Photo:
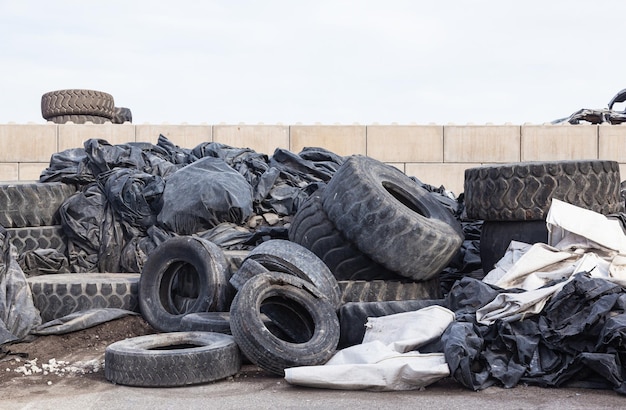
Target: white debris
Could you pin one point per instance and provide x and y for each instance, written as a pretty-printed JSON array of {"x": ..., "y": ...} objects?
[{"x": 58, "y": 367}]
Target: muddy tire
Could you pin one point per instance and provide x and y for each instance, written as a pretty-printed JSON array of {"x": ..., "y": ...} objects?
[
  {"x": 312, "y": 229},
  {"x": 301, "y": 299},
  {"x": 79, "y": 119},
  {"x": 32, "y": 203},
  {"x": 171, "y": 359},
  {"x": 183, "y": 275},
  {"x": 391, "y": 218},
  {"x": 38, "y": 237},
  {"x": 122, "y": 115},
  {"x": 388, "y": 290},
  {"x": 523, "y": 191},
  {"x": 77, "y": 102},
  {"x": 59, "y": 295},
  {"x": 279, "y": 255}
]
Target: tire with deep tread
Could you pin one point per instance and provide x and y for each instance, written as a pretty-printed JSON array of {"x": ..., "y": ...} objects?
[
  {"x": 32, "y": 203},
  {"x": 353, "y": 316},
  {"x": 391, "y": 218},
  {"x": 79, "y": 119},
  {"x": 266, "y": 349},
  {"x": 77, "y": 102},
  {"x": 38, "y": 237},
  {"x": 122, "y": 115},
  {"x": 58, "y": 295},
  {"x": 523, "y": 191},
  {"x": 184, "y": 274},
  {"x": 388, "y": 290},
  {"x": 171, "y": 359},
  {"x": 280, "y": 255},
  {"x": 312, "y": 229}
]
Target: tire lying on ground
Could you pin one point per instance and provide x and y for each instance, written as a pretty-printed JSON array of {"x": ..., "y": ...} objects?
[
  {"x": 77, "y": 102},
  {"x": 279, "y": 255},
  {"x": 171, "y": 359},
  {"x": 391, "y": 218},
  {"x": 32, "y": 203},
  {"x": 183, "y": 275},
  {"x": 312, "y": 229},
  {"x": 523, "y": 191},
  {"x": 300, "y": 299},
  {"x": 59, "y": 295}
]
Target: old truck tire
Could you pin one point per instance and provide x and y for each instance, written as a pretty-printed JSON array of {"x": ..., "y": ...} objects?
[
  {"x": 312, "y": 229},
  {"x": 182, "y": 275},
  {"x": 391, "y": 218},
  {"x": 77, "y": 102},
  {"x": 38, "y": 237},
  {"x": 523, "y": 191},
  {"x": 122, "y": 115},
  {"x": 78, "y": 119},
  {"x": 32, "y": 203},
  {"x": 59, "y": 295},
  {"x": 171, "y": 359},
  {"x": 388, "y": 290},
  {"x": 279, "y": 255},
  {"x": 268, "y": 350}
]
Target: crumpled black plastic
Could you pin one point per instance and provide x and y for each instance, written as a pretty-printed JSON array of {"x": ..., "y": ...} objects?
[{"x": 37, "y": 262}]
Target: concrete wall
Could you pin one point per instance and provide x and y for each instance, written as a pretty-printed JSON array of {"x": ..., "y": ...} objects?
[{"x": 436, "y": 154}]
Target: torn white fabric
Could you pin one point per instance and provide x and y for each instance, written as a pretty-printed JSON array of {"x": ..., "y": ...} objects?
[{"x": 383, "y": 361}]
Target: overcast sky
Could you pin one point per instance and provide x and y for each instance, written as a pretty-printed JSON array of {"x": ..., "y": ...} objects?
[{"x": 438, "y": 61}]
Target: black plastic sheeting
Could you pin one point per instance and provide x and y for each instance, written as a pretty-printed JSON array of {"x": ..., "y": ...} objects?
[{"x": 578, "y": 339}]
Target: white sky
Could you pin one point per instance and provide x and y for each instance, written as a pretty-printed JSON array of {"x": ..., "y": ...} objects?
[{"x": 438, "y": 61}]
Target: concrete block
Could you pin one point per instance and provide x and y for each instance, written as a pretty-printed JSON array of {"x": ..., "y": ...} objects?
[
  {"x": 481, "y": 143},
  {"x": 559, "y": 142},
  {"x": 30, "y": 142},
  {"x": 31, "y": 171},
  {"x": 74, "y": 135},
  {"x": 451, "y": 176},
  {"x": 185, "y": 136},
  {"x": 9, "y": 171},
  {"x": 612, "y": 142},
  {"x": 340, "y": 139},
  {"x": 405, "y": 143},
  {"x": 263, "y": 139}
]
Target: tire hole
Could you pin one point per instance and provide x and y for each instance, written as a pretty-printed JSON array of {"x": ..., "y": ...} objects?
[
  {"x": 181, "y": 288},
  {"x": 405, "y": 199},
  {"x": 176, "y": 347},
  {"x": 290, "y": 321}
]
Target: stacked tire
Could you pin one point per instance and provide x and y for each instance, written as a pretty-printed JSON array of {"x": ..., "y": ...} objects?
[
  {"x": 81, "y": 106},
  {"x": 378, "y": 231},
  {"x": 513, "y": 199}
]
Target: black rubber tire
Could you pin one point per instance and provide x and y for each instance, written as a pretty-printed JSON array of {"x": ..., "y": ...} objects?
[
  {"x": 77, "y": 102},
  {"x": 218, "y": 322},
  {"x": 79, "y": 119},
  {"x": 353, "y": 316},
  {"x": 280, "y": 255},
  {"x": 495, "y": 237},
  {"x": 122, "y": 115},
  {"x": 388, "y": 290},
  {"x": 32, "y": 203},
  {"x": 60, "y": 294},
  {"x": 391, "y": 218},
  {"x": 38, "y": 237},
  {"x": 523, "y": 191},
  {"x": 171, "y": 359},
  {"x": 264, "y": 348},
  {"x": 312, "y": 229},
  {"x": 184, "y": 274}
]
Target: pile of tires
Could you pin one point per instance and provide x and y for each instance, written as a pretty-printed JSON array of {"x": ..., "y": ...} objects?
[
  {"x": 81, "y": 106},
  {"x": 514, "y": 199}
]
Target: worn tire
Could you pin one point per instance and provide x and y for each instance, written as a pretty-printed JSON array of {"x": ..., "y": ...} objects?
[
  {"x": 267, "y": 350},
  {"x": 279, "y": 255},
  {"x": 182, "y": 275},
  {"x": 353, "y": 316},
  {"x": 78, "y": 119},
  {"x": 495, "y": 237},
  {"x": 388, "y": 290},
  {"x": 218, "y": 322},
  {"x": 77, "y": 102},
  {"x": 38, "y": 237},
  {"x": 523, "y": 191},
  {"x": 122, "y": 115},
  {"x": 32, "y": 203},
  {"x": 312, "y": 229},
  {"x": 391, "y": 218},
  {"x": 59, "y": 295},
  {"x": 171, "y": 359}
]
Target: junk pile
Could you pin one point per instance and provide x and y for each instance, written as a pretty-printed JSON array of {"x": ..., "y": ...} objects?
[
  {"x": 598, "y": 116},
  {"x": 334, "y": 272}
]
